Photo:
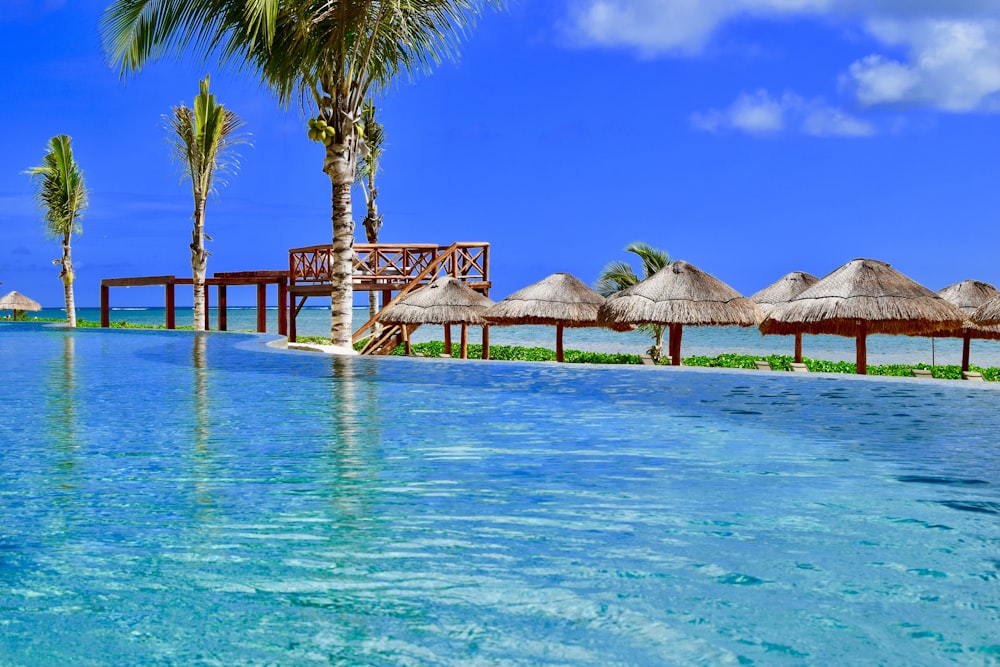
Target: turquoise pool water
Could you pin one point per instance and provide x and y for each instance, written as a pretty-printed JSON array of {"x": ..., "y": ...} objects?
[{"x": 169, "y": 498}]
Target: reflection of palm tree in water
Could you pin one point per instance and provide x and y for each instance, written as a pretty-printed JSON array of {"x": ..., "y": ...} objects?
[
  {"x": 357, "y": 431},
  {"x": 62, "y": 434},
  {"x": 202, "y": 460}
]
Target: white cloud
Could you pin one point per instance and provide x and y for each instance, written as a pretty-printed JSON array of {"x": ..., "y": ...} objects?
[
  {"x": 761, "y": 114},
  {"x": 655, "y": 27},
  {"x": 952, "y": 66},
  {"x": 951, "y": 48}
]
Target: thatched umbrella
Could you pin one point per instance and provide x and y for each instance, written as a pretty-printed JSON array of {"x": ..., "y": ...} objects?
[
  {"x": 969, "y": 295},
  {"x": 863, "y": 297},
  {"x": 987, "y": 314},
  {"x": 784, "y": 290},
  {"x": 676, "y": 295},
  {"x": 444, "y": 301},
  {"x": 561, "y": 300},
  {"x": 17, "y": 302}
]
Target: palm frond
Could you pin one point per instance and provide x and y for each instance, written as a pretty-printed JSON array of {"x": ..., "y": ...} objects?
[
  {"x": 60, "y": 189},
  {"x": 615, "y": 277},
  {"x": 653, "y": 259}
]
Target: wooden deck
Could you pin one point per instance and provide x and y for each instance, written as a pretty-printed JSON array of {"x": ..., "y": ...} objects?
[{"x": 393, "y": 269}]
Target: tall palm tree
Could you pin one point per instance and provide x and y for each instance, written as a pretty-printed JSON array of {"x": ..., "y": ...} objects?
[
  {"x": 619, "y": 275},
  {"x": 330, "y": 54},
  {"x": 372, "y": 147},
  {"x": 203, "y": 140},
  {"x": 62, "y": 195}
]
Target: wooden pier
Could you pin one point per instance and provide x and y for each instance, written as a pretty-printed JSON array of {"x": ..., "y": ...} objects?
[{"x": 390, "y": 268}]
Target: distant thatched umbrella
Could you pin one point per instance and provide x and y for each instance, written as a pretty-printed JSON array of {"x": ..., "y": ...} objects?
[
  {"x": 783, "y": 291},
  {"x": 560, "y": 300},
  {"x": 676, "y": 295},
  {"x": 987, "y": 314},
  {"x": 16, "y": 302},
  {"x": 863, "y": 297},
  {"x": 444, "y": 301},
  {"x": 969, "y": 295}
]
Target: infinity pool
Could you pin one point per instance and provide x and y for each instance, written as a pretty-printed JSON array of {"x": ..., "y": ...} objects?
[{"x": 169, "y": 498}]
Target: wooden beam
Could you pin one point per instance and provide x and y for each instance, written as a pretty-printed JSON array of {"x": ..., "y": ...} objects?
[{"x": 105, "y": 306}]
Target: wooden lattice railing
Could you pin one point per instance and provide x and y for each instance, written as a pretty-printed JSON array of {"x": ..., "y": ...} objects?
[{"x": 383, "y": 265}]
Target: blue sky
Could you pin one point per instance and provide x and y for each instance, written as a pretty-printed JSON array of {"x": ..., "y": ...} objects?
[{"x": 748, "y": 137}]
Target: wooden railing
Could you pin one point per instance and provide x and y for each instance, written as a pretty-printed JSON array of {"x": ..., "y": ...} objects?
[{"x": 386, "y": 265}]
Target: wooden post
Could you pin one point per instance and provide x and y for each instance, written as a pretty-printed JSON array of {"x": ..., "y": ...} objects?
[
  {"x": 676, "y": 331},
  {"x": 105, "y": 306},
  {"x": 293, "y": 311},
  {"x": 208, "y": 309},
  {"x": 465, "y": 341},
  {"x": 486, "y": 341},
  {"x": 169, "y": 304},
  {"x": 861, "y": 347},
  {"x": 406, "y": 340},
  {"x": 966, "y": 344},
  {"x": 559, "y": 342},
  {"x": 223, "y": 318},
  {"x": 447, "y": 339},
  {"x": 261, "y": 308},
  {"x": 798, "y": 347},
  {"x": 282, "y": 306}
]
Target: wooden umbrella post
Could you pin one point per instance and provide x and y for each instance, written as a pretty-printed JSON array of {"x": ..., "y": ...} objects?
[
  {"x": 486, "y": 341},
  {"x": 559, "y": 342},
  {"x": 966, "y": 344},
  {"x": 676, "y": 331},
  {"x": 465, "y": 341},
  {"x": 861, "y": 347},
  {"x": 798, "y": 347},
  {"x": 447, "y": 339}
]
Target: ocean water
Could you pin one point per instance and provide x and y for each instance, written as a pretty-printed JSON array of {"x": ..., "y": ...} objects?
[
  {"x": 708, "y": 341},
  {"x": 172, "y": 498}
]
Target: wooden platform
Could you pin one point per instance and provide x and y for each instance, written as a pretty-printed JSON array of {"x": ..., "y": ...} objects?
[{"x": 390, "y": 268}]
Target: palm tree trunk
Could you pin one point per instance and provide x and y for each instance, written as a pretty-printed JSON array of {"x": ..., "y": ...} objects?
[
  {"x": 199, "y": 265},
  {"x": 66, "y": 274},
  {"x": 372, "y": 225},
  {"x": 339, "y": 166}
]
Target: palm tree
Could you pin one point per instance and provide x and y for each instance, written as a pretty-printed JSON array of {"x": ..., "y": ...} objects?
[
  {"x": 330, "y": 54},
  {"x": 62, "y": 196},
  {"x": 203, "y": 139},
  {"x": 618, "y": 275},
  {"x": 372, "y": 147}
]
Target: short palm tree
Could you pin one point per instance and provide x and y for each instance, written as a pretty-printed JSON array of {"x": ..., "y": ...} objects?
[
  {"x": 619, "y": 275},
  {"x": 62, "y": 196},
  {"x": 329, "y": 54},
  {"x": 203, "y": 140},
  {"x": 372, "y": 147}
]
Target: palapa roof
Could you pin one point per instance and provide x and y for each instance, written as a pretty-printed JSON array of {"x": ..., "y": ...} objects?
[
  {"x": 444, "y": 301},
  {"x": 969, "y": 295},
  {"x": 17, "y": 301},
  {"x": 558, "y": 299},
  {"x": 864, "y": 290},
  {"x": 784, "y": 289},
  {"x": 680, "y": 293},
  {"x": 987, "y": 314}
]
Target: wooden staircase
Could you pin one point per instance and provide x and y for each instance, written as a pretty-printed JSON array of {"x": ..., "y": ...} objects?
[{"x": 389, "y": 337}]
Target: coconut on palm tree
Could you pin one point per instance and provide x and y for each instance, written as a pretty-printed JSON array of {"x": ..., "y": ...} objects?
[
  {"x": 62, "y": 195},
  {"x": 372, "y": 147},
  {"x": 203, "y": 139},
  {"x": 329, "y": 55},
  {"x": 619, "y": 275}
]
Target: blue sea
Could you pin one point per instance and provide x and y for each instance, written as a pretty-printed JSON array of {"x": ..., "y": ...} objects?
[{"x": 708, "y": 341}]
